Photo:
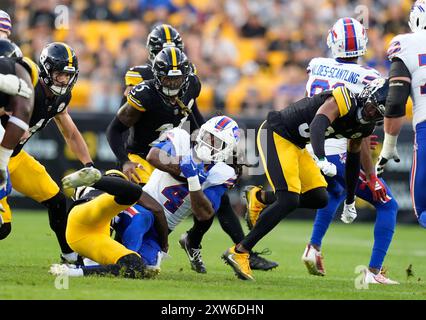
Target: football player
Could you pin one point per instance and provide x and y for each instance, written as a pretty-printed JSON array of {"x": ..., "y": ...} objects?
[
  {"x": 348, "y": 41},
  {"x": 88, "y": 229},
  {"x": 295, "y": 176},
  {"x": 188, "y": 180},
  {"x": 407, "y": 53},
  {"x": 165, "y": 36},
  {"x": 58, "y": 67}
]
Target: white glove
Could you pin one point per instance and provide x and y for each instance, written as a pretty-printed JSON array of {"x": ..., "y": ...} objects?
[
  {"x": 327, "y": 168},
  {"x": 388, "y": 152},
  {"x": 12, "y": 85},
  {"x": 349, "y": 213}
]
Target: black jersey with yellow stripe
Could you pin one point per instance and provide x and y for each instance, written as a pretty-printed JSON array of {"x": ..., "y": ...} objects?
[
  {"x": 45, "y": 108},
  {"x": 157, "y": 113},
  {"x": 292, "y": 123}
]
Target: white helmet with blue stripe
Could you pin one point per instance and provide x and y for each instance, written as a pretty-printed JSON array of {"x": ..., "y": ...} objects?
[
  {"x": 217, "y": 139},
  {"x": 417, "y": 20},
  {"x": 347, "y": 38}
]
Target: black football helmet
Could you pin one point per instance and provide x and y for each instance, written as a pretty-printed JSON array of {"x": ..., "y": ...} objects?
[
  {"x": 161, "y": 36},
  {"x": 373, "y": 100},
  {"x": 59, "y": 57},
  {"x": 9, "y": 49},
  {"x": 171, "y": 70}
]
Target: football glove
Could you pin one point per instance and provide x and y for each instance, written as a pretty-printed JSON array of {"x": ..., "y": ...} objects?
[
  {"x": 377, "y": 188},
  {"x": 349, "y": 212},
  {"x": 327, "y": 168},
  {"x": 12, "y": 85},
  {"x": 188, "y": 167}
]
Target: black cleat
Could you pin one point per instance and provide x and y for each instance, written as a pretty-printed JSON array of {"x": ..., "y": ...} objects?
[
  {"x": 259, "y": 263},
  {"x": 194, "y": 254}
]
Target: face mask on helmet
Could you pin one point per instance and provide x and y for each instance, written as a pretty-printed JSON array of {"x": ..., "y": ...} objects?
[
  {"x": 171, "y": 84},
  {"x": 62, "y": 81},
  {"x": 217, "y": 139},
  {"x": 373, "y": 99}
]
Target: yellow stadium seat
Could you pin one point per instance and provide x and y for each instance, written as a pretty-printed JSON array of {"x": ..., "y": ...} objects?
[
  {"x": 81, "y": 94},
  {"x": 205, "y": 101},
  {"x": 276, "y": 59}
]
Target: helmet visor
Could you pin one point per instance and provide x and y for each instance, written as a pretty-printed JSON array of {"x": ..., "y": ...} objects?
[{"x": 372, "y": 112}]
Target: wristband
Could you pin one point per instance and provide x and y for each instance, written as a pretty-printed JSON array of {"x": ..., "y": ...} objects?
[
  {"x": 4, "y": 156},
  {"x": 194, "y": 184},
  {"x": 19, "y": 123},
  {"x": 389, "y": 143}
]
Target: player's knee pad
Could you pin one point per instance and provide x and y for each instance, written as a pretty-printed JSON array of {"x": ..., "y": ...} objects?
[
  {"x": 131, "y": 266},
  {"x": 57, "y": 209},
  {"x": 5, "y": 230}
]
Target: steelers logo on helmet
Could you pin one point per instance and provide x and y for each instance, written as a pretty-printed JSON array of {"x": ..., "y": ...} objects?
[
  {"x": 58, "y": 66},
  {"x": 217, "y": 139},
  {"x": 373, "y": 99},
  {"x": 9, "y": 49},
  {"x": 171, "y": 70}
]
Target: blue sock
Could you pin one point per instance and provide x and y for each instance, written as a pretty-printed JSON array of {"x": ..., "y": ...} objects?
[
  {"x": 133, "y": 236},
  {"x": 324, "y": 217},
  {"x": 383, "y": 232}
]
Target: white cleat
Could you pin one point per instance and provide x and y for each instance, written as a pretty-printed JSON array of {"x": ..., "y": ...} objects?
[
  {"x": 371, "y": 278},
  {"x": 65, "y": 270},
  {"x": 313, "y": 260},
  {"x": 154, "y": 270},
  {"x": 83, "y": 177}
]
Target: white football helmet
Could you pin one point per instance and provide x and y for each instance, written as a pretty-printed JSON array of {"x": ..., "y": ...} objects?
[
  {"x": 347, "y": 38},
  {"x": 217, "y": 139},
  {"x": 417, "y": 20}
]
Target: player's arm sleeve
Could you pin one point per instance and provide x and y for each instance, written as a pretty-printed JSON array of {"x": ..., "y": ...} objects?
[
  {"x": 214, "y": 194},
  {"x": 343, "y": 99},
  {"x": 399, "y": 90},
  {"x": 317, "y": 129},
  {"x": 166, "y": 146},
  {"x": 115, "y": 139}
]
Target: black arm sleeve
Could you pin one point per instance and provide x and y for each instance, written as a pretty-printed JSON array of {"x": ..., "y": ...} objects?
[
  {"x": 317, "y": 130},
  {"x": 399, "y": 90},
  {"x": 115, "y": 139},
  {"x": 353, "y": 165}
]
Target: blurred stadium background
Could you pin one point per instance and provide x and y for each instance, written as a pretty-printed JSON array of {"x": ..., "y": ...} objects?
[{"x": 251, "y": 57}]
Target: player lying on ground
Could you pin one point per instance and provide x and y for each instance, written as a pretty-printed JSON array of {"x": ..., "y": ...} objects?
[
  {"x": 347, "y": 41},
  {"x": 88, "y": 229},
  {"x": 293, "y": 174}
]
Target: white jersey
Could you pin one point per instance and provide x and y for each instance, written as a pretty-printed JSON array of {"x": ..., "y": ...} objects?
[
  {"x": 173, "y": 194},
  {"x": 411, "y": 49},
  {"x": 327, "y": 74}
]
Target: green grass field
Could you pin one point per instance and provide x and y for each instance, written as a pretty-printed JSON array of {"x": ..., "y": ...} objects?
[{"x": 26, "y": 255}]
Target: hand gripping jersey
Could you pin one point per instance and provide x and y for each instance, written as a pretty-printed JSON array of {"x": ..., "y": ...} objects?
[
  {"x": 411, "y": 49},
  {"x": 172, "y": 192},
  {"x": 328, "y": 74},
  {"x": 292, "y": 123}
]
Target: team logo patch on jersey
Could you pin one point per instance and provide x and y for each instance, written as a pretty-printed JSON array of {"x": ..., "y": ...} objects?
[{"x": 61, "y": 107}]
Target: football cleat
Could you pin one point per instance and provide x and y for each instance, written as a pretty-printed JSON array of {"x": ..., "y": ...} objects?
[
  {"x": 259, "y": 263},
  {"x": 65, "y": 270},
  {"x": 254, "y": 206},
  {"x": 239, "y": 263},
  {"x": 83, "y": 177},
  {"x": 371, "y": 278},
  {"x": 313, "y": 260},
  {"x": 194, "y": 254}
]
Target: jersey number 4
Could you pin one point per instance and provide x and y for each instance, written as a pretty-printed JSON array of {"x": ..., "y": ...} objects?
[{"x": 175, "y": 195}]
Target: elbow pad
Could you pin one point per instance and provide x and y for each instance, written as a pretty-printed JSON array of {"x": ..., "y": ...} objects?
[{"x": 399, "y": 90}]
